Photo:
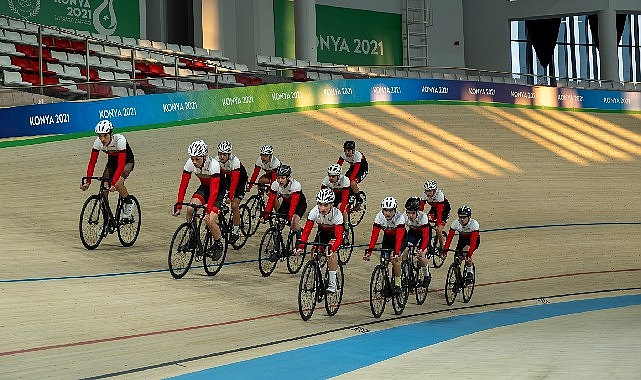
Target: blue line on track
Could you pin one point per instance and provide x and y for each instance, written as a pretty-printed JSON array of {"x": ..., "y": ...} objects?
[
  {"x": 371, "y": 348},
  {"x": 249, "y": 261}
]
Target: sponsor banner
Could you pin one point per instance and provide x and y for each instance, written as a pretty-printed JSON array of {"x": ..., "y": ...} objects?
[
  {"x": 107, "y": 17},
  {"x": 192, "y": 107}
]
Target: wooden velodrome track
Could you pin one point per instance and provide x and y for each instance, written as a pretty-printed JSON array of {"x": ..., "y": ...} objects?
[{"x": 557, "y": 195}]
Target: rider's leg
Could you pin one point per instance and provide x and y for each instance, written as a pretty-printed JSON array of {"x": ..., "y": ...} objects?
[{"x": 332, "y": 266}]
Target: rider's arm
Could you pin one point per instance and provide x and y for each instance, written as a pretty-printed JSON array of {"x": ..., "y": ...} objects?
[
  {"x": 214, "y": 188},
  {"x": 254, "y": 176},
  {"x": 440, "y": 206},
  {"x": 122, "y": 159},
  {"x": 338, "y": 233},
  {"x": 473, "y": 241},
  {"x": 292, "y": 205},
  {"x": 270, "y": 203},
  {"x": 340, "y": 160},
  {"x": 400, "y": 233},
  {"x": 448, "y": 241},
  {"x": 355, "y": 167},
  {"x": 376, "y": 229},
  {"x": 235, "y": 176},
  {"x": 92, "y": 164},
  {"x": 182, "y": 189},
  {"x": 344, "y": 196},
  {"x": 425, "y": 231},
  {"x": 309, "y": 224},
  {"x": 422, "y": 206}
]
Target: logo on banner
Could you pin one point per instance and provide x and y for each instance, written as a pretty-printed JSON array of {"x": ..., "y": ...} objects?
[
  {"x": 104, "y": 18},
  {"x": 24, "y": 8}
]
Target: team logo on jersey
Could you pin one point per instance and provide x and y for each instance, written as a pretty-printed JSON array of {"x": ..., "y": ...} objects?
[
  {"x": 104, "y": 18},
  {"x": 24, "y": 8}
]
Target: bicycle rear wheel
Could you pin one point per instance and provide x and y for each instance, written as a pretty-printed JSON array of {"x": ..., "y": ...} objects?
[
  {"x": 245, "y": 226},
  {"x": 307, "y": 291},
  {"x": 181, "y": 250},
  {"x": 451, "y": 284},
  {"x": 438, "y": 256},
  {"x": 128, "y": 228},
  {"x": 254, "y": 206},
  {"x": 294, "y": 263},
  {"x": 468, "y": 288},
  {"x": 345, "y": 253},
  {"x": 213, "y": 261},
  {"x": 377, "y": 291},
  {"x": 93, "y": 223},
  {"x": 355, "y": 216},
  {"x": 333, "y": 300},
  {"x": 267, "y": 257}
]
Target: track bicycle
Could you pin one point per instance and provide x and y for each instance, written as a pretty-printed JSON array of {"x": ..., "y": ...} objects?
[
  {"x": 456, "y": 282},
  {"x": 435, "y": 247},
  {"x": 256, "y": 205},
  {"x": 314, "y": 282},
  {"x": 356, "y": 208},
  {"x": 193, "y": 240},
  {"x": 97, "y": 220},
  {"x": 273, "y": 247},
  {"x": 382, "y": 284},
  {"x": 412, "y": 278}
]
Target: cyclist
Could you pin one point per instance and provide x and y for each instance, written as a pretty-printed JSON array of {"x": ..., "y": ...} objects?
[
  {"x": 392, "y": 223},
  {"x": 120, "y": 162},
  {"x": 418, "y": 233},
  {"x": 268, "y": 162},
  {"x": 439, "y": 206},
  {"x": 469, "y": 238},
  {"x": 340, "y": 185},
  {"x": 358, "y": 167},
  {"x": 293, "y": 203},
  {"x": 330, "y": 230},
  {"x": 236, "y": 181},
  {"x": 210, "y": 192}
]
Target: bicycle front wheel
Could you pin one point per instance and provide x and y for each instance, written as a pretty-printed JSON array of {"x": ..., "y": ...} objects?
[
  {"x": 181, "y": 250},
  {"x": 93, "y": 223},
  {"x": 399, "y": 300},
  {"x": 267, "y": 255},
  {"x": 451, "y": 284},
  {"x": 253, "y": 204},
  {"x": 345, "y": 253},
  {"x": 378, "y": 291},
  {"x": 129, "y": 228},
  {"x": 307, "y": 291},
  {"x": 468, "y": 288},
  {"x": 420, "y": 290},
  {"x": 438, "y": 256},
  {"x": 294, "y": 263},
  {"x": 245, "y": 227},
  {"x": 333, "y": 300},
  {"x": 355, "y": 216}
]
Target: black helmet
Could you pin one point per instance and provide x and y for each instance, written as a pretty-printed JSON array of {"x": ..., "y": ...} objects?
[
  {"x": 412, "y": 204},
  {"x": 465, "y": 210},
  {"x": 284, "y": 170},
  {"x": 349, "y": 144}
]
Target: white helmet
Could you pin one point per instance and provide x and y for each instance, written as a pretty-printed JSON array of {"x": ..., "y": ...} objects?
[
  {"x": 197, "y": 148},
  {"x": 104, "y": 126},
  {"x": 267, "y": 149},
  {"x": 224, "y": 147},
  {"x": 334, "y": 169},
  {"x": 326, "y": 195},
  {"x": 389, "y": 202},
  {"x": 430, "y": 185}
]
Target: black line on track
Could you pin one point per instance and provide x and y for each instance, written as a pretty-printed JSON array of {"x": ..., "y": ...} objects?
[{"x": 351, "y": 327}]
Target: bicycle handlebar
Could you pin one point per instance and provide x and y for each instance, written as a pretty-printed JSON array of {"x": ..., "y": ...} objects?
[
  {"x": 102, "y": 180},
  {"x": 195, "y": 206}
]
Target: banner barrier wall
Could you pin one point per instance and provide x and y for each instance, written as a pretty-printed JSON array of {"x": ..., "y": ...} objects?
[{"x": 192, "y": 107}]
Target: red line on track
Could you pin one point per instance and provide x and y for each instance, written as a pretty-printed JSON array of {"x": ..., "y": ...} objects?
[{"x": 237, "y": 321}]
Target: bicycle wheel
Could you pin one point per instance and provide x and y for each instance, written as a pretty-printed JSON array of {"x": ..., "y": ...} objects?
[
  {"x": 355, "y": 216},
  {"x": 307, "y": 291},
  {"x": 420, "y": 290},
  {"x": 212, "y": 261},
  {"x": 294, "y": 263},
  {"x": 399, "y": 300},
  {"x": 267, "y": 258},
  {"x": 408, "y": 281},
  {"x": 436, "y": 248},
  {"x": 468, "y": 288},
  {"x": 333, "y": 300},
  {"x": 181, "y": 250},
  {"x": 378, "y": 291},
  {"x": 345, "y": 253},
  {"x": 254, "y": 206},
  {"x": 93, "y": 223},
  {"x": 451, "y": 284},
  {"x": 129, "y": 228},
  {"x": 245, "y": 225}
]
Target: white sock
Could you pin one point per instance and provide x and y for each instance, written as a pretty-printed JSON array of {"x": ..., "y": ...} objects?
[
  {"x": 426, "y": 271},
  {"x": 332, "y": 279},
  {"x": 235, "y": 229}
]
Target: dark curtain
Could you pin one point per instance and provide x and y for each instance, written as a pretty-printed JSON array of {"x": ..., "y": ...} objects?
[
  {"x": 180, "y": 22},
  {"x": 543, "y": 34},
  {"x": 593, "y": 20}
]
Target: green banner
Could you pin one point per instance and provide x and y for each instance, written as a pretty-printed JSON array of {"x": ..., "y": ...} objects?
[
  {"x": 344, "y": 36},
  {"x": 108, "y": 17}
]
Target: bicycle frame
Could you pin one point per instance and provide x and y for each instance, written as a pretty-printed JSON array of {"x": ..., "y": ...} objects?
[{"x": 381, "y": 289}]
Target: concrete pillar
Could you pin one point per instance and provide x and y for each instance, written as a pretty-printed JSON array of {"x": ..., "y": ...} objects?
[
  {"x": 608, "y": 52},
  {"x": 305, "y": 29}
]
